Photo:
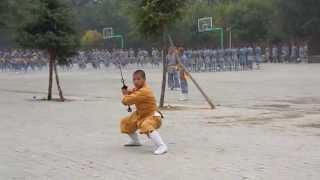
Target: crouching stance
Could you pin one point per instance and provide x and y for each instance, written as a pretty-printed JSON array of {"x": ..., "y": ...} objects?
[{"x": 146, "y": 118}]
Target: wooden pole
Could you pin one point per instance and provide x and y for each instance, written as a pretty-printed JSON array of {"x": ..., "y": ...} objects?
[
  {"x": 192, "y": 79},
  {"x": 58, "y": 82},
  {"x": 164, "y": 72},
  {"x": 51, "y": 61}
]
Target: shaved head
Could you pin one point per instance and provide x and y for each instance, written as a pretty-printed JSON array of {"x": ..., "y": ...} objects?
[{"x": 141, "y": 73}]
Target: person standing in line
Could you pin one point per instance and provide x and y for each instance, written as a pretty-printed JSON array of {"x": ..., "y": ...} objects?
[
  {"x": 275, "y": 54},
  {"x": 183, "y": 76},
  {"x": 258, "y": 56},
  {"x": 173, "y": 80},
  {"x": 294, "y": 54}
]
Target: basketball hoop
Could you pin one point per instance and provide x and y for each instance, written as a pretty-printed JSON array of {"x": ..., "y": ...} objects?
[
  {"x": 205, "y": 24},
  {"x": 107, "y": 33}
]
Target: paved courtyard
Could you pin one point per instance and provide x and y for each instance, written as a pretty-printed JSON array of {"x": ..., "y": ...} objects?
[{"x": 266, "y": 126}]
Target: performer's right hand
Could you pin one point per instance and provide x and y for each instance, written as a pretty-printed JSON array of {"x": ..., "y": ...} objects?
[
  {"x": 124, "y": 87},
  {"x": 125, "y": 91}
]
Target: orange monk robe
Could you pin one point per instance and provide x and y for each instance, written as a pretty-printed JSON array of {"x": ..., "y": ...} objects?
[{"x": 144, "y": 118}]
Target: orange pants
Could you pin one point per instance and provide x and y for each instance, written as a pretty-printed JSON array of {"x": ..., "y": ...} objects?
[{"x": 132, "y": 123}]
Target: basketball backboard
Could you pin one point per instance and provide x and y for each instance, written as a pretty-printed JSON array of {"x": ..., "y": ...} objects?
[
  {"x": 107, "y": 33},
  {"x": 205, "y": 24}
]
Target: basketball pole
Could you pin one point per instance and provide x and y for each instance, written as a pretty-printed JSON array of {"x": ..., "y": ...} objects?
[
  {"x": 221, "y": 36},
  {"x": 230, "y": 39},
  {"x": 121, "y": 40},
  {"x": 116, "y": 36},
  {"x": 211, "y": 29}
]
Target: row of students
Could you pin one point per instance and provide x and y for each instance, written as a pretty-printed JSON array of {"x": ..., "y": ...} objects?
[
  {"x": 286, "y": 54},
  {"x": 213, "y": 60}
]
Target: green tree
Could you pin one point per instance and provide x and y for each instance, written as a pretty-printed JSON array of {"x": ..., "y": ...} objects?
[
  {"x": 12, "y": 13},
  {"x": 3, "y": 11},
  {"x": 108, "y": 13},
  {"x": 186, "y": 32},
  {"x": 153, "y": 19},
  {"x": 91, "y": 39},
  {"x": 301, "y": 20},
  {"x": 4, "y": 14},
  {"x": 53, "y": 30},
  {"x": 250, "y": 20}
]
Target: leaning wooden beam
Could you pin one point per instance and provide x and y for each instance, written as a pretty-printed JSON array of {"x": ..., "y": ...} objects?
[{"x": 192, "y": 79}]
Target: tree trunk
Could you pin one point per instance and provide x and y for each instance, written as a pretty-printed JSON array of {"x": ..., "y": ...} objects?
[
  {"x": 58, "y": 82},
  {"x": 51, "y": 61},
  {"x": 164, "y": 72}
]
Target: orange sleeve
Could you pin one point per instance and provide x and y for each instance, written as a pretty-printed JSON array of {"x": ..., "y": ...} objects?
[{"x": 133, "y": 98}]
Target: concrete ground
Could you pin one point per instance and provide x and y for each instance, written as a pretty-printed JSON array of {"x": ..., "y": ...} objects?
[{"x": 267, "y": 126}]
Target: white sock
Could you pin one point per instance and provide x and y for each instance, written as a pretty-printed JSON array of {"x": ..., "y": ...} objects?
[
  {"x": 185, "y": 96},
  {"x": 161, "y": 146},
  {"x": 134, "y": 140}
]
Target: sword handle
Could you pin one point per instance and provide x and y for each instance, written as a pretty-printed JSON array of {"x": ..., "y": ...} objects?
[
  {"x": 129, "y": 109},
  {"x": 126, "y": 87}
]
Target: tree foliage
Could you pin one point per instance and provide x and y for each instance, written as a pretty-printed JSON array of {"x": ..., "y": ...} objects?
[
  {"x": 300, "y": 18},
  {"x": 301, "y": 21},
  {"x": 54, "y": 29},
  {"x": 152, "y": 17},
  {"x": 12, "y": 14},
  {"x": 3, "y": 12},
  {"x": 91, "y": 39},
  {"x": 138, "y": 20},
  {"x": 249, "y": 20}
]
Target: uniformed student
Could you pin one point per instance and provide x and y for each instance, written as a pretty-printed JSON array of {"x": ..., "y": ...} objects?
[
  {"x": 275, "y": 54},
  {"x": 258, "y": 56},
  {"x": 183, "y": 76},
  {"x": 294, "y": 54},
  {"x": 285, "y": 53},
  {"x": 146, "y": 119},
  {"x": 301, "y": 54},
  {"x": 267, "y": 55},
  {"x": 173, "y": 76},
  {"x": 242, "y": 56}
]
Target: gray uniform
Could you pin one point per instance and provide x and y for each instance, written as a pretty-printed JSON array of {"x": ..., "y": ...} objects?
[
  {"x": 258, "y": 57},
  {"x": 275, "y": 54}
]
